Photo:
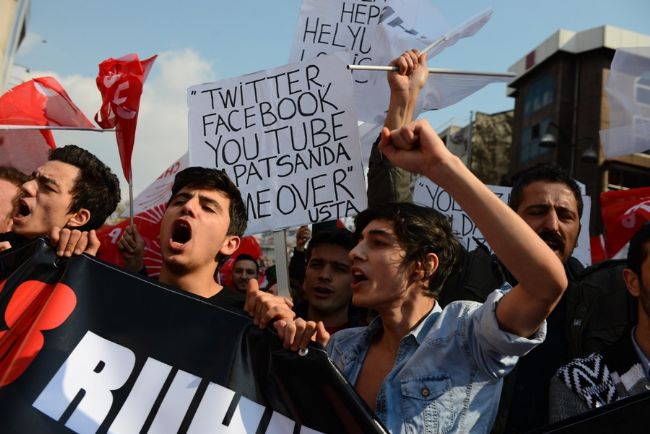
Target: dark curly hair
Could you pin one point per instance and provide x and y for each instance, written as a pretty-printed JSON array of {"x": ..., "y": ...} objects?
[
  {"x": 338, "y": 237},
  {"x": 419, "y": 231},
  {"x": 96, "y": 189},
  {"x": 545, "y": 172},
  {"x": 13, "y": 175}
]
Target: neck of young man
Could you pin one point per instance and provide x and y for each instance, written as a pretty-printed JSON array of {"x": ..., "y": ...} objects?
[
  {"x": 198, "y": 282},
  {"x": 337, "y": 318},
  {"x": 403, "y": 316}
]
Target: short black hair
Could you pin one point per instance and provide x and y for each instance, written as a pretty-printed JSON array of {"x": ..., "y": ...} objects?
[
  {"x": 419, "y": 231},
  {"x": 545, "y": 172},
  {"x": 639, "y": 250},
  {"x": 247, "y": 257},
  {"x": 96, "y": 189},
  {"x": 215, "y": 179},
  {"x": 339, "y": 237},
  {"x": 13, "y": 175}
]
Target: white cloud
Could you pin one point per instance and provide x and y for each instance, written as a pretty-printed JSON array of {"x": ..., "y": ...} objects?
[
  {"x": 161, "y": 137},
  {"x": 32, "y": 40}
]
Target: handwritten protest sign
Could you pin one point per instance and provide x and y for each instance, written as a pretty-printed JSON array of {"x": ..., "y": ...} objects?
[
  {"x": 287, "y": 137},
  {"x": 428, "y": 194},
  {"x": 375, "y": 32}
]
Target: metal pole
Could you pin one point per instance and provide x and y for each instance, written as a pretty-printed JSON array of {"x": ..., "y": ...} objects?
[
  {"x": 469, "y": 140},
  {"x": 281, "y": 263}
]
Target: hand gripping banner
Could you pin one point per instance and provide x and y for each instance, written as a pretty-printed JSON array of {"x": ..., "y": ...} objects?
[{"x": 87, "y": 347}]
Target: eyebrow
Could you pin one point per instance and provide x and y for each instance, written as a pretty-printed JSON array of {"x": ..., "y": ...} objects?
[
  {"x": 381, "y": 232},
  {"x": 546, "y": 206},
  {"x": 326, "y": 261},
  {"x": 203, "y": 200},
  {"x": 45, "y": 179}
]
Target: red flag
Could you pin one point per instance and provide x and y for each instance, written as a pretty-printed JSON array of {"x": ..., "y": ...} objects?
[
  {"x": 148, "y": 224},
  {"x": 248, "y": 245},
  {"x": 120, "y": 82},
  {"x": 597, "y": 249},
  {"x": 40, "y": 101},
  {"x": 624, "y": 212}
]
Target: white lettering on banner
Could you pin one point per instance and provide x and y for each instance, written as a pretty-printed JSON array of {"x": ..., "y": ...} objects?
[
  {"x": 146, "y": 389},
  {"x": 97, "y": 367},
  {"x": 287, "y": 137},
  {"x": 94, "y": 369}
]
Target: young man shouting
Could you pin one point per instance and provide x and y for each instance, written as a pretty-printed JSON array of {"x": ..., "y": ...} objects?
[
  {"x": 200, "y": 229},
  {"x": 66, "y": 199},
  {"x": 419, "y": 367}
]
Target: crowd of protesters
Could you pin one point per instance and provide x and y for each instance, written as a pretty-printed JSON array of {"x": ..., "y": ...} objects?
[{"x": 433, "y": 338}]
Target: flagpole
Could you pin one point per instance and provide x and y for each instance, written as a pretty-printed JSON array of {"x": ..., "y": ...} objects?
[
  {"x": 131, "y": 200},
  {"x": 52, "y": 127},
  {"x": 434, "y": 71},
  {"x": 434, "y": 44}
]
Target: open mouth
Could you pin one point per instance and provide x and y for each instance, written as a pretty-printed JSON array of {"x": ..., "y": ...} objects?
[
  {"x": 553, "y": 240},
  {"x": 321, "y": 290},
  {"x": 22, "y": 209},
  {"x": 182, "y": 232},
  {"x": 358, "y": 276}
]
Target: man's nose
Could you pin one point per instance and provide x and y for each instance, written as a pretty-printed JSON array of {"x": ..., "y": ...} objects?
[
  {"x": 356, "y": 252},
  {"x": 29, "y": 188},
  {"x": 189, "y": 207},
  {"x": 552, "y": 221},
  {"x": 325, "y": 273}
]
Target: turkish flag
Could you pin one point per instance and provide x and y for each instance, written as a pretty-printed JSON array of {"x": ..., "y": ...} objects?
[
  {"x": 40, "y": 102},
  {"x": 624, "y": 212},
  {"x": 148, "y": 225},
  {"x": 120, "y": 81}
]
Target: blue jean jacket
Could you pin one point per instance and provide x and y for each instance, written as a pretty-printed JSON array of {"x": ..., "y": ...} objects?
[{"x": 448, "y": 371}]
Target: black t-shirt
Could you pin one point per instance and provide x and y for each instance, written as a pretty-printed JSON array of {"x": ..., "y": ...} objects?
[{"x": 229, "y": 298}]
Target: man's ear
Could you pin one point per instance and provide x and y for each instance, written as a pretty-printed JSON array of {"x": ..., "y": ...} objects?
[
  {"x": 424, "y": 270},
  {"x": 78, "y": 218},
  {"x": 230, "y": 245},
  {"x": 632, "y": 282}
]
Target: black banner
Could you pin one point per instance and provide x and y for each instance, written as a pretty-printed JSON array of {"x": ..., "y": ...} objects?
[{"x": 86, "y": 347}]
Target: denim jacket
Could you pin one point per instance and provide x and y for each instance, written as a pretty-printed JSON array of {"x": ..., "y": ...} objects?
[{"x": 448, "y": 371}]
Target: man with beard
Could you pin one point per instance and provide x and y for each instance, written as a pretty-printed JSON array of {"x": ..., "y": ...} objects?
[
  {"x": 591, "y": 314},
  {"x": 618, "y": 371},
  {"x": 66, "y": 199}
]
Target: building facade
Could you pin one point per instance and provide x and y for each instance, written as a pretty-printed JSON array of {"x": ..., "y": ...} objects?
[{"x": 561, "y": 106}]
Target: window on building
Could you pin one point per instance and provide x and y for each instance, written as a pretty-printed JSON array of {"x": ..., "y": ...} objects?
[{"x": 530, "y": 138}]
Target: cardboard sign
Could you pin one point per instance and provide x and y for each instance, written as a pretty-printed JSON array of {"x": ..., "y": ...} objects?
[{"x": 287, "y": 137}]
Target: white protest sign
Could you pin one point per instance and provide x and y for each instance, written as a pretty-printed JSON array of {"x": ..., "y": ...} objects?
[
  {"x": 428, "y": 194},
  {"x": 287, "y": 137},
  {"x": 628, "y": 90},
  {"x": 375, "y": 32}
]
